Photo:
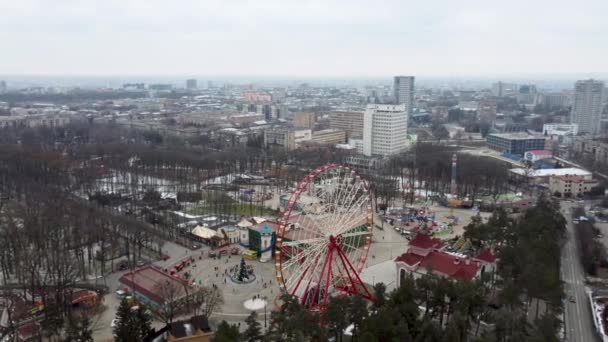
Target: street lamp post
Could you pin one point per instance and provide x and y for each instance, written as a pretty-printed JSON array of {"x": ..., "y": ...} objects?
[{"x": 265, "y": 304}]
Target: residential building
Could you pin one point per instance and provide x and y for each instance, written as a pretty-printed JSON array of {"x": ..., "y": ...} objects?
[
  {"x": 587, "y": 107},
  {"x": 439, "y": 113},
  {"x": 597, "y": 150},
  {"x": 349, "y": 121},
  {"x": 329, "y": 136},
  {"x": 384, "y": 129},
  {"x": 526, "y": 94},
  {"x": 302, "y": 136},
  {"x": 246, "y": 119},
  {"x": 41, "y": 120},
  {"x": 304, "y": 120},
  {"x": 571, "y": 185},
  {"x": 426, "y": 254},
  {"x": 254, "y": 96},
  {"x": 191, "y": 84},
  {"x": 501, "y": 89},
  {"x": 195, "y": 329},
  {"x": 486, "y": 110},
  {"x": 515, "y": 143},
  {"x": 554, "y": 100},
  {"x": 403, "y": 88},
  {"x": 280, "y": 137}
]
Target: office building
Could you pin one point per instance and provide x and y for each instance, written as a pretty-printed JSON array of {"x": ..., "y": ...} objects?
[
  {"x": 191, "y": 84},
  {"x": 501, "y": 89},
  {"x": 384, "y": 129},
  {"x": 554, "y": 100},
  {"x": 329, "y": 137},
  {"x": 587, "y": 108},
  {"x": 304, "y": 120},
  {"x": 527, "y": 94},
  {"x": 349, "y": 121},
  {"x": 515, "y": 143},
  {"x": 403, "y": 88},
  {"x": 280, "y": 137}
]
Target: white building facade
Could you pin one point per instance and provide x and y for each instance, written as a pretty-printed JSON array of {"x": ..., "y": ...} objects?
[
  {"x": 384, "y": 130},
  {"x": 587, "y": 108}
]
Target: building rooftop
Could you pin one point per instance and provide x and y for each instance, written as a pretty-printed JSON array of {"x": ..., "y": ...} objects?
[
  {"x": 551, "y": 172},
  {"x": 425, "y": 241},
  {"x": 146, "y": 281},
  {"x": 516, "y": 136},
  {"x": 443, "y": 263}
]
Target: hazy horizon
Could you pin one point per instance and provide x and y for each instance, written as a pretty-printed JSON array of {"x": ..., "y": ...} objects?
[{"x": 300, "y": 39}]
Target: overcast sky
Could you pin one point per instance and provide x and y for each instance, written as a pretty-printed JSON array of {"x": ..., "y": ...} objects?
[{"x": 302, "y": 38}]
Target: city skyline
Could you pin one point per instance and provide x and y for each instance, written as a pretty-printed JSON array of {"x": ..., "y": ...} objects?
[{"x": 295, "y": 39}]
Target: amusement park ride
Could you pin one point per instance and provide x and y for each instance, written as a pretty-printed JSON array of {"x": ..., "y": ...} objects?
[{"x": 324, "y": 236}]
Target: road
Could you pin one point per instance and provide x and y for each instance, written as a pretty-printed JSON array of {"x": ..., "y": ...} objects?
[{"x": 578, "y": 321}]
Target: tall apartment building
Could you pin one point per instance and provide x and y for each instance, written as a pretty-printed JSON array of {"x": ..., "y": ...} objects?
[
  {"x": 350, "y": 122},
  {"x": 384, "y": 129},
  {"x": 587, "y": 108},
  {"x": 191, "y": 84},
  {"x": 304, "y": 120},
  {"x": 403, "y": 87}
]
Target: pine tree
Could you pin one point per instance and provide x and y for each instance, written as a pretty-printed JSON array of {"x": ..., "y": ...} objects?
[
  {"x": 79, "y": 330},
  {"x": 124, "y": 329},
  {"x": 243, "y": 271},
  {"x": 253, "y": 332},
  {"x": 227, "y": 333}
]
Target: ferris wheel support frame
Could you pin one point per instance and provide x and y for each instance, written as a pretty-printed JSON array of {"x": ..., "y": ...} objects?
[{"x": 355, "y": 285}]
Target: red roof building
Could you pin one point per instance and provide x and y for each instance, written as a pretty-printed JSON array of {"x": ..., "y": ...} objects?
[
  {"x": 146, "y": 284},
  {"x": 425, "y": 254}
]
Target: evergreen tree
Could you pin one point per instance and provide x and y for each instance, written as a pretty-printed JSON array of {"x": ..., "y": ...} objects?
[
  {"x": 131, "y": 326},
  {"x": 357, "y": 313},
  {"x": 253, "y": 332},
  {"x": 242, "y": 271},
  {"x": 227, "y": 333},
  {"x": 336, "y": 316},
  {"x": 79, "y": 330}
]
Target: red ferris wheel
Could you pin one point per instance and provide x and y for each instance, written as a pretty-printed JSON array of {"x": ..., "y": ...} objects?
[{"x": 324, "y": 236}]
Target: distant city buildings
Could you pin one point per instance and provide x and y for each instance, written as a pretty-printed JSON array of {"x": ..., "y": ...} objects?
[
  {"x": 486, "y": 110},
  {"x": 3, "y": 87},
  {"x": 554, "y": 100},
  {"x": 560, "y": 129},
  {"x": 160, "y": 87},
  {"x": 587, "y": 107},
  {"x": 255, "y": 96},
  {"x": 403, "y": 88},
  {"x": 349, "y": 121},
  {"x": 304, "y": 120},
  {"x": 502, "y": 89},
  {"x": 329, "y": 137},
  {"x": 515, "y": 143},
  {"x": 191, "y": 84},
  {"x": 527, "y": 94},
  {"x": 280, "y": 137},
  {"x": 384, "y": 129}
]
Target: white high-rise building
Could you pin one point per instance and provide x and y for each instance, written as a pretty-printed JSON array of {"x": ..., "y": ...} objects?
[
  {"x": 384, "y": 129},
  {"x": 403, "y": 87},
  {"x": 587, "y": 107}
]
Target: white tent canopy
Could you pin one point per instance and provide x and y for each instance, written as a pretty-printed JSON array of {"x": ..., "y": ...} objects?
[{"x": 203, "y": 232}]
